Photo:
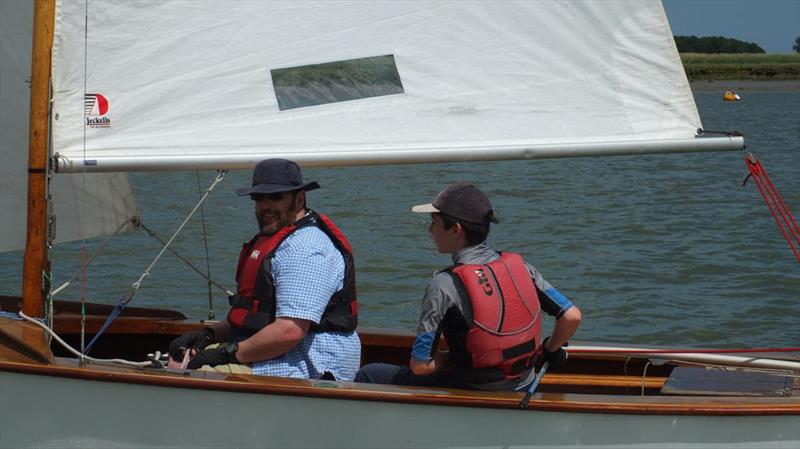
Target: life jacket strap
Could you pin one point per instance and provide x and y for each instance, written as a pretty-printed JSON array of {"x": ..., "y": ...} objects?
[
  {"x": 240, "y": 301},
  {"x": 521, "y": 349}
]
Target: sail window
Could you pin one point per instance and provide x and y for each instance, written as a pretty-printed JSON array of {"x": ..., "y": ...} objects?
[{"x": 331, "y": 82}]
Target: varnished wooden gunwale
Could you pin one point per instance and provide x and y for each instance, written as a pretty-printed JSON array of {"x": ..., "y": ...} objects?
[
  {"x": 560, "y": 402},
  {"x": 393, "y": 341}
]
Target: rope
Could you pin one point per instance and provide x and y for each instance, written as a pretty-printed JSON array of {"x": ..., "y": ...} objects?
[
  {"x": 80, "y": 355},
  {"x": 783, "y": 217},
  {"x": 184, "y": 259},
  {"x": 91, "y": 258},
  {"x": 83, "y": 181},
  {"x": 208, "y": 259},
  {"x": 135, "y": 286},
  {"x": 644, "y": 375}
]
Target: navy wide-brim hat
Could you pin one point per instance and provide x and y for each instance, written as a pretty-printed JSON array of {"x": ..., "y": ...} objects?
[{"x": 275, "y": 176}]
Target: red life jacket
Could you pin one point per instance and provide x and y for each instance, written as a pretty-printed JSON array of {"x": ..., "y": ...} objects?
[
  {"x": 253, "y": 307},
  {"x": 506, "y": 318}
]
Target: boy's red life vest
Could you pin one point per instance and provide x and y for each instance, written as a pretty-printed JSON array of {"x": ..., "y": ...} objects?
[
  {"x": 253, "y": 306},
  {"x": 505, "y": 332}
]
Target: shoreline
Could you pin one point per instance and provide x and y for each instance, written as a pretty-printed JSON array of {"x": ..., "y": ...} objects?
[{"x": 746, "y": 85}]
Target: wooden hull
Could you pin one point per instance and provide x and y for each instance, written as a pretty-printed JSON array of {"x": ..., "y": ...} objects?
[{"x": 599, "y": 401}]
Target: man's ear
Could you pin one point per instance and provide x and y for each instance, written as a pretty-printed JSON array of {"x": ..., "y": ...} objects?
[{"x": 300, "y": 200}]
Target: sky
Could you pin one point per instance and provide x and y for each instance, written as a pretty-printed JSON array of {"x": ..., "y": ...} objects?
[{"x": 772, "y": 24}]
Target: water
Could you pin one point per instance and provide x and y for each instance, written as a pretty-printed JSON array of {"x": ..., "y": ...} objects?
[{"x": 665, "y": 249}]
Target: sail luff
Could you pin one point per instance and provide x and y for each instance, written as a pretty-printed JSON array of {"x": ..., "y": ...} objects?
[{"x": 35, "y": 261}]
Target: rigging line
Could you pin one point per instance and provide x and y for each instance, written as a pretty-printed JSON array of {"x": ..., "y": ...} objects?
[
  {"x": 644, "y": 375},
  {"x": 774, "y": 209},
  {"x": 184, "y": 259},
  {"x": 83, "y": 181},
  {"x": 759, "y": 173},
  {"x": 138, "y": 283},
  {"x": 75, "y": 351},
  {"x": 91, "y": 258},
  {"x": 135, "y": 286},
  {"x": 208, "y": 261},
  {"x": 787, "y": 216},
  {"x": 774, "y": 202}
]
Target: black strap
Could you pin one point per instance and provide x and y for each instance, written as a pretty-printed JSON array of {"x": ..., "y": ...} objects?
[
  {"x": 523, "y": 348},
  {"x": 240, "y": 301}
]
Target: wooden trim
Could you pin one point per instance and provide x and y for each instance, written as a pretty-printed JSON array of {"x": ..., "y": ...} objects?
[
  {"x": 35, "y": 261},
  {"x": 557, "y": 402}
]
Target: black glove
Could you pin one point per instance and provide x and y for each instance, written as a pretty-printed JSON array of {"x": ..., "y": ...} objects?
[
  {"x": 196, "y": 340},
  {"x": 221, "y": 355},
  {"x": 557, "y": 359}
]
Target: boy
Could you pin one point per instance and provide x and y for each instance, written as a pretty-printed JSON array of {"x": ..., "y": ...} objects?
[{"x": 487, "y": 305}]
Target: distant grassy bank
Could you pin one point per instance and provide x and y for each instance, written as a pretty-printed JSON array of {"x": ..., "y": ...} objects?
[{"x": 743, "y": 66}]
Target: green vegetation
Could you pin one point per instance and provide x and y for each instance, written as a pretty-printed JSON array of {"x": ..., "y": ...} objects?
[
  {"x": 714, "y": 44},
  {"x": 750, "y": 66}
]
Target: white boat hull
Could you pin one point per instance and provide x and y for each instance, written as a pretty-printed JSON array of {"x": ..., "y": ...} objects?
[{"x": 47, "y": 411}]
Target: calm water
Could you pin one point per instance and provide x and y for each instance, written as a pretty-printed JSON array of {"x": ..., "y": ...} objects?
[{"x": 659, "y": 249}]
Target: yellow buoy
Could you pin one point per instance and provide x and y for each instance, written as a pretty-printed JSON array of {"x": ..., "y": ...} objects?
[{"x": 729, "y": 95}]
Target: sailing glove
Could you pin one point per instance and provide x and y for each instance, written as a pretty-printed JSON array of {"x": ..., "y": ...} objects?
[
  {"x": 220, "y": 355},
  {"x": 196, "y": 340},
  {"x": 556, "y": 359}
]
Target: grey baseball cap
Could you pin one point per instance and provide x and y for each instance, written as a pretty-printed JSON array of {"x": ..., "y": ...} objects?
[{"x": 463, "y": 201}]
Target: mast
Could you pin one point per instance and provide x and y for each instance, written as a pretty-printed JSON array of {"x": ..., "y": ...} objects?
[{"x": 35, "y": 262}]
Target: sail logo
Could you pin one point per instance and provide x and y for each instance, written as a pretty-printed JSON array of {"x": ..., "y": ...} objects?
[{"x": 95, "y": 110}]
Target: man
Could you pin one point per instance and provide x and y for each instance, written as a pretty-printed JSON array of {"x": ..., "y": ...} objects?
[
  {"x": 295, "y": 312},
  {"x": 487, "y": 305}
]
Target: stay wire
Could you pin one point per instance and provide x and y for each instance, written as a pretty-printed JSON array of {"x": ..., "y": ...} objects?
[
  {"x": 208, "y": 259},
  {"x": 83, "y": 180},
  {"x": 183, "y": 259},
  {"x": 90, "y": 259},
  {"x": 135, "y": 286}
]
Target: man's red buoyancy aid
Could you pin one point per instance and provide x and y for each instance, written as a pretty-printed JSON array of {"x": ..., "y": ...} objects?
[
  {"x": 253, "y": 307},
  {"x": 506, "y": 316}
]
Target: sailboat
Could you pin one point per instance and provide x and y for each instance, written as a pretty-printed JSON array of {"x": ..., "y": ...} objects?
[{"x": 136, "y": 86}]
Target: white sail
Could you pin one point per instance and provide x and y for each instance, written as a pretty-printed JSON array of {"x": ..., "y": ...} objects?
[
  {"x": 85, "y": 206},
  {"x": 218, "y": 84}
]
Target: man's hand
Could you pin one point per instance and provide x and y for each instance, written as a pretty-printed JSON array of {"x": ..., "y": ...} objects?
[
  {"x": 196, "y": 340},
  {"x": 556, "y": 358},
  {"x": 221, "y": 355}
]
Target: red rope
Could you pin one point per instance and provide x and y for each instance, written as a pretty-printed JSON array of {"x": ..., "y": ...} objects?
[
  {"x": 780, "y": 211},
  {"x": 679, "y": 351}
]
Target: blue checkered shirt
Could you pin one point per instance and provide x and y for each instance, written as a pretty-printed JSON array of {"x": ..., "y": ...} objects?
[{"x": 307, "y": 270}]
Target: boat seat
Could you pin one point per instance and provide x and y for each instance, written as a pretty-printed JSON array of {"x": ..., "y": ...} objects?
[{"x": 698, "y": 381}]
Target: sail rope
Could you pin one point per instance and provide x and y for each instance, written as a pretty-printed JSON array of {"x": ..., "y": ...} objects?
[
  {"x": 84, "y": 357},
  {"x": 91, "y": 258},
  {"x": 123, "y": 302},
  {"x": 783, "y": 217},
  {"x": 183, "y": 259},
  {"x": 208, "y": 259},
  {"x": 81, "y": 357}
]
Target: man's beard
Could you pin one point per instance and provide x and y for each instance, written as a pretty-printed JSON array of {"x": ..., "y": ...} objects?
[{"x": 285, "y": 219}]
